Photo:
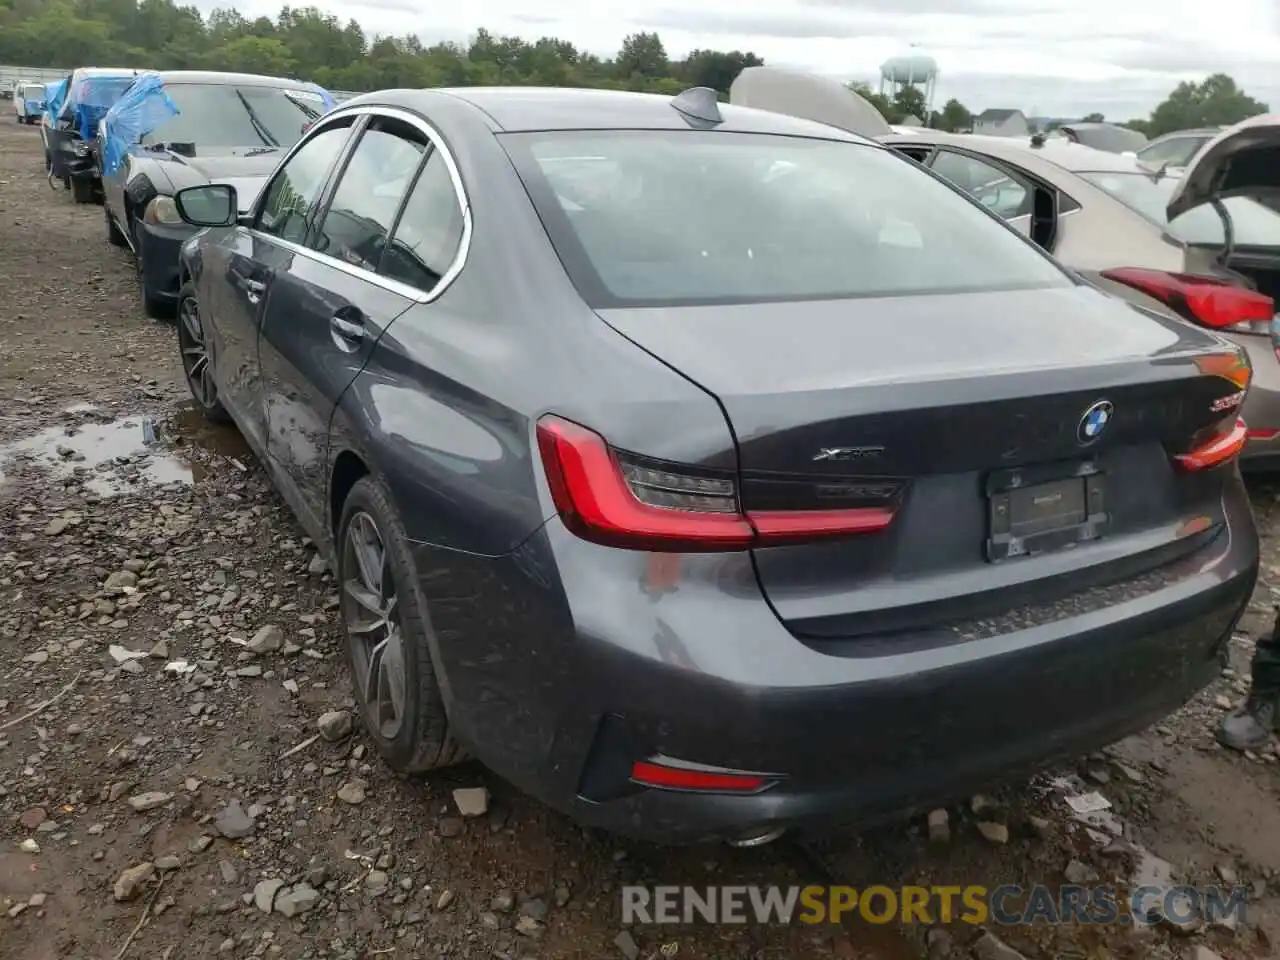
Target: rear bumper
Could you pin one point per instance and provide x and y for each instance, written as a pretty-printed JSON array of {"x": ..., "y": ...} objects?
[
  {"x": 566, "y": 662},
  {"x": 1262, "y": 405}
]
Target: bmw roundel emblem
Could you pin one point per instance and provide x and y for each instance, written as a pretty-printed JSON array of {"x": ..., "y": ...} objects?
[{"x": 1094, "y": 421}]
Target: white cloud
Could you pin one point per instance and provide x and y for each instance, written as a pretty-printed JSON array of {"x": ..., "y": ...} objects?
[{"x": 1058, "y": 57}]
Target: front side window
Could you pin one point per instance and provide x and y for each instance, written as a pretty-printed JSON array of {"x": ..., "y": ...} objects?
[
  {"x": 1253, "y": 224},
  {"x": 221, "y": 116},
  {"x": 1176, "y": 152},
  {"x": 656, "y": 217},
  {"x": 988, "y": 184},
  {"x": 364, "y": 206},
  {"x": 430, "y": 230},
  {"x": 291, "y": 199}
]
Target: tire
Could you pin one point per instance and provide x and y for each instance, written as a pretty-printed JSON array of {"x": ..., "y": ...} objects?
[
  {"x": 190, "y": 338},
  {"x": 152, "y": 306},
  {"x": 421, "y": 740},
  {"x": 82, "y": 191},
  {"x": 114, "y": 236}
]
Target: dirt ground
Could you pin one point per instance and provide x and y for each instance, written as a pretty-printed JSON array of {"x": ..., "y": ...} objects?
[{"x": 159, "y": 751}]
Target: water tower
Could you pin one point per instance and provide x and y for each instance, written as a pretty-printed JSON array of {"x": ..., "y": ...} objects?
[{"x": 913, "y": 69}]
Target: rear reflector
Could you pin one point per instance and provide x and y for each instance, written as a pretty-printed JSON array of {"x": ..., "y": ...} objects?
[
  {"x": 1223, "y": 448},
  {"x": 1263, "y": 434},
  {"x": 1209, "y": 301},
  {"x": 610, "y": 497},
  {"x": 650, "y": 774}
]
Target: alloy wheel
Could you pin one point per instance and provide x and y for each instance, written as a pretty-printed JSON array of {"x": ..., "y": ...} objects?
[
  {"x": 371, "y": 615},
  {"x": 195, "y": 355}
]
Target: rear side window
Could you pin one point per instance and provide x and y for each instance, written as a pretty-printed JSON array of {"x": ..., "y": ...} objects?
[
  {"x": 360, "y": 216},
  {"x": 657, "y": 217},
  {"x": 988, "y": 184},
  {"x": 295, "y": 190},
  {"x": 429, "y": 234}
]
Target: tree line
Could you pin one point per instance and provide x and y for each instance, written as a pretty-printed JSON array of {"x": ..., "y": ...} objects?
[{"x": 310, "y": 45}]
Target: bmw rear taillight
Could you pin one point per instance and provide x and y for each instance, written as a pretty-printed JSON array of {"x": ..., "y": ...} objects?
[
  {"x": 621, "y": 499},
  {"x": 1225, "y": 439},
  {"x": 1208, "y": 301}
]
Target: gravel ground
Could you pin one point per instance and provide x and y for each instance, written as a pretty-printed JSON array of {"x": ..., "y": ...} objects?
[{"x": 177, "y": 764}]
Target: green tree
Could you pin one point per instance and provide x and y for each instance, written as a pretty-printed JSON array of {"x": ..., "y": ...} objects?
[
  {"x": 909, "y": 102},
  {"x": 250, "y": 54},
  {"x": 1215, "y": 101},
  {"x": 1093, "y": 118},
  {"x": 878, "y": 100},
  {"x": 954, "y": 117},
  {"x": 642, "y": 55}
]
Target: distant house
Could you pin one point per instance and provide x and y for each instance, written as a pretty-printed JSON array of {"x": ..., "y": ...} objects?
[{"x": 1002, "y": 123}]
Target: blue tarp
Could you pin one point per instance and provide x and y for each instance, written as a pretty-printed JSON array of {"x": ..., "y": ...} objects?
[
  {"x": 133, "y": 116},
  {"x": 91, "y": 97},
  {"x": 54, "y": 96}
]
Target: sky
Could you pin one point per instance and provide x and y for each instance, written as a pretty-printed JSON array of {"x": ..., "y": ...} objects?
[{"x": 1061, "y": 58}]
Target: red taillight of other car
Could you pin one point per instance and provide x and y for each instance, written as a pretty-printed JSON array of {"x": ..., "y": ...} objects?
[
  {"x": 610, "y": 497},
  {"x": 1208, "y": 301}
]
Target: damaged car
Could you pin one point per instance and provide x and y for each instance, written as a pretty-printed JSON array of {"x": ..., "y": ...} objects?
[
  {"x": 176, "y": 129},
  {"x": 90, "y": 93}
]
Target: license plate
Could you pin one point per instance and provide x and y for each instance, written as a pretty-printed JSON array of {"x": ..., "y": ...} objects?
[{"x": 1037, "y": 510}]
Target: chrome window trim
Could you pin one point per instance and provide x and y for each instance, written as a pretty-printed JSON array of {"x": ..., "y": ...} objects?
[{"x": 387, "y": 283}]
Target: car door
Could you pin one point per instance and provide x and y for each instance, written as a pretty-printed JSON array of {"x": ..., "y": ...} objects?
[
  {"x": 238, "y": 270},
  {"x": 328, "y": 305}
]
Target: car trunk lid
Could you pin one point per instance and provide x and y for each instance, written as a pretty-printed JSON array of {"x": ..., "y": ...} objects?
[
  {"x": 1243, "y": 160},
  {"x": 993, "y": 431}
]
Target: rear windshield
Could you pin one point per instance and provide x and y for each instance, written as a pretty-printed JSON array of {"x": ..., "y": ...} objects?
[
  {"x": 221, "y": 115},
  {"x": 1252, "y": 223},
  {"x": 33, "y": 92},
  {"x": 657, "y": 217}
]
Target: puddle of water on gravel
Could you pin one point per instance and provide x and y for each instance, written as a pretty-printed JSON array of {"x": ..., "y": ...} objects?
[
  {"x": 190, "y": 426},
  {"x": 112, "y": 457}
]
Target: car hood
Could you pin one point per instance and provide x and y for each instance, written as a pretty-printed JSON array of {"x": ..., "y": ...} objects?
[
  {"x": 247, "y": 173},
  {"x": 1243, "y": 160}
]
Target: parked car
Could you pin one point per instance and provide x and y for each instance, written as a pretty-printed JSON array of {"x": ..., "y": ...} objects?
[
  {"x": 1109, "y": 137},
  {"x": 54, "y": 96},
  {"x": 181, "y": 128},
  {"x": 90, "y": 92},
  {"x": 1107, "y": 217},
  {"x": 28, "y": 102},
  {"x": 1175, "y": 150},
  {"x": 708, "y": 472}
]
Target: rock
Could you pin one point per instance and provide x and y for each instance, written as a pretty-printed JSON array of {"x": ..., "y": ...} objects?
[
  {"x": 528, "y": 927},
  {"x": 1204, "y": 953},
  {"x": 160, "y": 650},
  {"x": 1181, "y": 914},
  {"x": 228, "y": 871},
  {"x": 995, "y": 832},
  {"x": 129, "y": 884},
  {"x": 264, "y": 893},
  {"x": 298, "y": 900},
  {"x": 1039, "y": 826},
  {"x": 990, "y": 947},
  {"x": 1079, "y": 873},
  {"x": 317, "y": 566},
  {"x": 268, "y": 639},
  {"x": 490, "y": 921},
  {"x": 535, "y": 908},
  {"x": 503, "y": 902},
  {"x": 1129, "y": 773},
  {"x": 980, "y": 803},
  {"x": 29, "y": 846},
  {"x": 32, "y": 818},
  {"x": 37, "y": 900},
  {"x": 939, "y": 826},
  {"x": 939, "y": 943},
  {"x": 57, "y": 525},
  {"x": 168, "y": 863},
  {"x": 334, "y": 725},
  {"x": 233, "y": 823},
  {"x": 472, "y": 801},
  {"x": 200, "y": 844},
  {"x": 1227, "y": 874},
  {"x": 446, "y": 900},
  {"x": 38, "y": 657},
  {"x": 451, "y": 827},
  {"x": 352, "y": 792},
  {"x": 253, "y": 670},
  {"x": 627, "y": 944},
  {"x": 377, "y": 881},
  {"x": 149, "y": 801},
  {"x": 120, "y": 581}
]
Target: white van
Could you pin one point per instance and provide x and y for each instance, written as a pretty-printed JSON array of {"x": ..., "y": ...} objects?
[{"x": 28, "y": 101}]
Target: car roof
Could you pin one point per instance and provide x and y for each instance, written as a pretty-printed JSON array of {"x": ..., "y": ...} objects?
[
  {"x": 1056, "y": 150},
  {"x": 214, "y": 77},
  {"x": 1192, "y": 132},
  {"x": 526, "y": 109}
]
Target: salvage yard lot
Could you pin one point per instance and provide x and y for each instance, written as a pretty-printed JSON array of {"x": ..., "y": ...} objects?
[{"x": 153, "y": 583}]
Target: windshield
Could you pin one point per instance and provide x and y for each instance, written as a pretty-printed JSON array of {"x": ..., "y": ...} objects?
[
  {"x": 221, "y": 115},
  {"x": 648, "y": 217},
  {"x": 33, "y": 91},
  {"x": 1252, "y": 224}
]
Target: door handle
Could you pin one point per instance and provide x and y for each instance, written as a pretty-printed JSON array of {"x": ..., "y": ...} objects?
[
  {"x": 346, "y": 329},
  {"x": 253, "y": 290}
]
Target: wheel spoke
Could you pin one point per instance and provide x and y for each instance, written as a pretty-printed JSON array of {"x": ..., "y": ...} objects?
[
  {"x": 368, "y": 554},
  {"x": 369, "y": 607},
  {"x": 373, "y": 680},
  {"x": 362, "y": 595}
]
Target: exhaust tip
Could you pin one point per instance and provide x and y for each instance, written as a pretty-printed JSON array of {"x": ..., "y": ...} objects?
[{"x": 757, "y": 838}]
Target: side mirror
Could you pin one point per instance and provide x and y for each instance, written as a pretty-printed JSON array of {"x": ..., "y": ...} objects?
[{"x": 210, "y": 205}]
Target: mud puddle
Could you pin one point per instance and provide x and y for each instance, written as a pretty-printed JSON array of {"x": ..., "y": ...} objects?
[{"x": 109, "y": 457}]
